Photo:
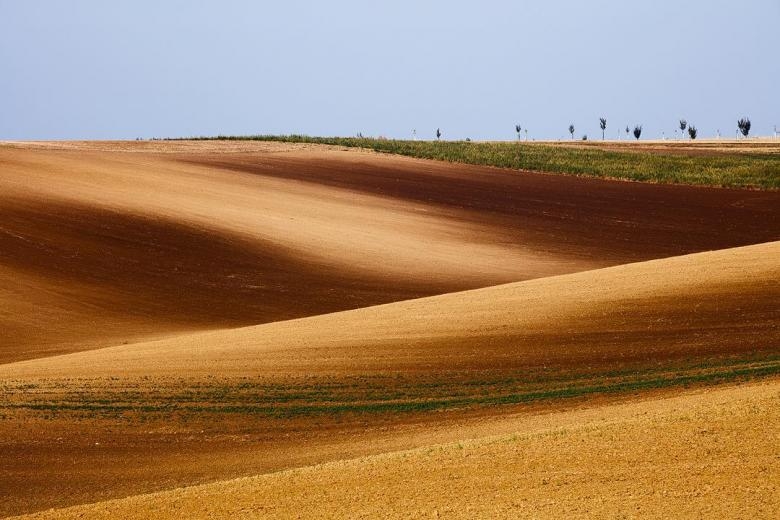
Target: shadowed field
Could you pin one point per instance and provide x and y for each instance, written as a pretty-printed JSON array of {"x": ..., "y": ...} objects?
[
  {"x": 753, "y": 163},
  {"x": 105, "y": 243},
  {"x": 207, "y": 406},
  {"x": 177, "y": 313}
]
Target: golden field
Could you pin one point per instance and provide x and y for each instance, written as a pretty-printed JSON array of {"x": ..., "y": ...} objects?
[{"x": 241, "y": 329}]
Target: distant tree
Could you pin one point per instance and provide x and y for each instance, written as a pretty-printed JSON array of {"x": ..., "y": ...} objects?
[
  {"x": 692, "y": 132},
  {"x": 571, "y": 131},
  {"x": 628, "y": 130},
  {"x": 603, "y": 125},
  {"x": 683, "y": 124},
  {"x": 744, "y": 126},
  {"x": 584, "y": 137},
  {"x": 517, "y": 129},
  {"x": 637, "y": 131},
  {"x": 438, "y": 134}
]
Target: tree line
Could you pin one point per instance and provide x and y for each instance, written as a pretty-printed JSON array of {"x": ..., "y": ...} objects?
[{"x": 743, "y": 125}]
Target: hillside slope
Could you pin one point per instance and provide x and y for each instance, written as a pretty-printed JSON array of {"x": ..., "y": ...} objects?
[
  {"x": 699, "y": 454},
  {"x": 196, "y": 408},
  {"x": 107, "y": 243},
  {"x": 720, "y": 302}
]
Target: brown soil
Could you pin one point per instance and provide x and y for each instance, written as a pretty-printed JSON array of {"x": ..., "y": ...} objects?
[
  {"x": 700, "y": 454},
  {"x": 720, "y": 302},
  {"x": 107, "y": 243},
  {"x": 169, "y": 247},
  {"x": 244, "y": 401}
]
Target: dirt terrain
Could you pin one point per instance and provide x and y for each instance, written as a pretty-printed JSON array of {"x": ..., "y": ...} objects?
[
  {"x": 705, "y": 304},
  {"x": 180, "y": 313},
  {"x": 150, "y": 239},
  {"x": 700, "y": 454}
]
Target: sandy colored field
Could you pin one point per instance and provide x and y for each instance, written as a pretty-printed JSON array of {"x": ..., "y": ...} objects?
[
  {"x": 711, "y": 454},
  {"x": 720, "y": 302},
  {"x": 146, "y": 416},
  {"x": 115, "y": 242},
  {"x": 180, "y": 313}
]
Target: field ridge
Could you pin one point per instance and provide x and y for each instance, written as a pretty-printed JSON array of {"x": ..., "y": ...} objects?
[
  {"x": 565, "y": 451},
  {"x": 755, "y": 167},
  {"x": 255, "y": 306}
]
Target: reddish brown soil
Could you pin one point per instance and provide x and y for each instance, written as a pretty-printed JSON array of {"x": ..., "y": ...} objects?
[
  {"x": 103, "y": 244},
  {"x": 613, "y": 222},
  {"x": 699, "y": 454}
]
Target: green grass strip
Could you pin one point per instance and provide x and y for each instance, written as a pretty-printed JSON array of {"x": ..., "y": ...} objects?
[
  {"x": 723, "y": 169},
  {"x": 298, "y": 410}
]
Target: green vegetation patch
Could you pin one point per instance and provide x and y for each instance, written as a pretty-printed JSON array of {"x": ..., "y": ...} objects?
[
  {"x": 724, "y": 169},
  {"x": 358, "y": 395}
]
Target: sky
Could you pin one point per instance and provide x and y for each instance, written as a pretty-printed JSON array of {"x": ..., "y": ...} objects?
[{"x": 126, "y": 69}]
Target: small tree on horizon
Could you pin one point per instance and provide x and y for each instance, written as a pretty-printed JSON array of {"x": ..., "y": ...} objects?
[
  {"x": 683, "y": 124},
  {"x": 438, "y": 134},
  {"x": 517, "y": 129},
  {"x": 744, "y": 126},
  {"x": 603, "y": 125},
  {"x": 637, "y": 131},
  {"x": 692, "y": 132},
  {"x": 628, "y": 130},
  {"x": 571, "y": 131}
]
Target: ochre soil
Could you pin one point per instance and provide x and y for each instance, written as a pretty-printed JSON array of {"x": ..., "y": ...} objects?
[
  {"x": 176, "y": 313},
  {"x": 107, "y": 243},
  {"x": 700, "y": 454}
]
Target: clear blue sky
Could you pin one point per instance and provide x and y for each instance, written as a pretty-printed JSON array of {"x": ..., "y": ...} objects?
[{"x": 126, "y": 69}]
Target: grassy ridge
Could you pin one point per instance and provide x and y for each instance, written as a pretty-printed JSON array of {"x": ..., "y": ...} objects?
[{"x": 726, "y": 169}]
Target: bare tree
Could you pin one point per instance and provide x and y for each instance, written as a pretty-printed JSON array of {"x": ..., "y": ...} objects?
[
  {"x": 603, "y": 125},
  {"x": 692, "y": 132},
  {"x": 683, "y": 124},
  {"x": 637, "y": 131},
  {"x": 571, "y": 131},
  {"x": 438, "y": 134},
  {"x": 744, "y": 126}
]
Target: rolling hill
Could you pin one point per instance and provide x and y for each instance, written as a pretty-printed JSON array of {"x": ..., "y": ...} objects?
[{"x": 181, "y": 313}]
